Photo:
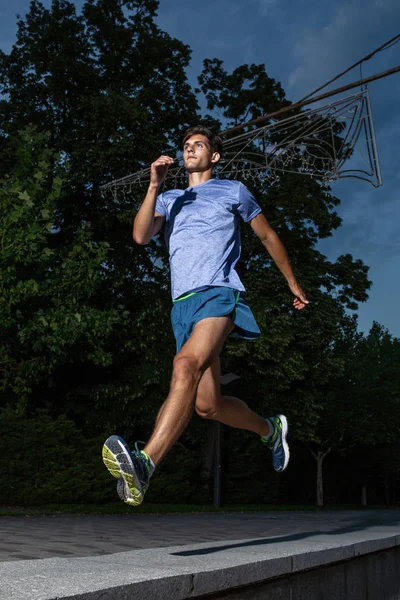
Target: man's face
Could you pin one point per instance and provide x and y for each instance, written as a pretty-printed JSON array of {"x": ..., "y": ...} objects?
[{"x": 197, "y": 154}]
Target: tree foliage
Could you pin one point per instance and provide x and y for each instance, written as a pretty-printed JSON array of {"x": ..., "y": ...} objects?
[
  {"x": 46, "y": 460},
  {"x": 109, "y": 88},
  {"x": 47, "y": 315},
  {"x": 351, "y": 406}
]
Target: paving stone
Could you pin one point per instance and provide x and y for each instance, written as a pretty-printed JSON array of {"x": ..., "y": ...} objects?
[{"x": 121, "y": 557}]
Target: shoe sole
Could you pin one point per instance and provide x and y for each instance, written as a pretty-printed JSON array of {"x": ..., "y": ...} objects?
[
  {"x": 285, "y": 446},
  {"x": 119, "y": 463}
]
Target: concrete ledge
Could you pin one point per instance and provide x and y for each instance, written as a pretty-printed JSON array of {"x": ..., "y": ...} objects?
[{"x": 182, "y": 572}]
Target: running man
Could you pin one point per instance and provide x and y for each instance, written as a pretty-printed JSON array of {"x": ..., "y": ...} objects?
[{"x": 202, "y": 231}]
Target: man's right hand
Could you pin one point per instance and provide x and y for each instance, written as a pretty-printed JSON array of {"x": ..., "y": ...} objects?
[
  {"x": 159, "y": 169},
  {"x": 300, "y": 300}
]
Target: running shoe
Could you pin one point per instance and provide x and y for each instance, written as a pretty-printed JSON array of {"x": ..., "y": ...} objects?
[
  {"x": 132, "y": 469},
  {"x": 277, "y": 443}
]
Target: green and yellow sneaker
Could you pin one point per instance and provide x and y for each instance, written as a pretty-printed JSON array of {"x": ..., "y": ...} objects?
[
  {"x": 277, "y": 443},
  {"x": 132, "y": 469}
]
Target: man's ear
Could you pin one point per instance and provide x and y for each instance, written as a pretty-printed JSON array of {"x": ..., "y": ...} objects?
[{"x": 215, "y": 158}]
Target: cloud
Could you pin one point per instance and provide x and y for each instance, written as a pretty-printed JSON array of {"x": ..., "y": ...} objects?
[
  {"x": 324, "y": 49},
  {"x": 382, "y": 307},
  {"x": 370, "y": 227},
  {"x": 266, "y": 6},
  {"x": 327, "y": 45}
]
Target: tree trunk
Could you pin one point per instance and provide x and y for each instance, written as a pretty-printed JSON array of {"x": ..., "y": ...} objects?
[
  {"x": 319, "y": 456},
  {"x": 364, "y": 495},
  {"x": 320, "y": 482},
  {"x": 208, "y": 457},
  {"x": 387, "y": 492},
  {"x": 217, "y": 464}
]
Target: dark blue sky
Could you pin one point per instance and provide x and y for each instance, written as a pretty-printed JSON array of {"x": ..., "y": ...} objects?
[{"x": 304, "y": 43}]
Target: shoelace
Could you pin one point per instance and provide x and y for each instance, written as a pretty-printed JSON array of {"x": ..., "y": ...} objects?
[
  {"x": 138, "y": 453},
  {"x": 137, "y": 447}
]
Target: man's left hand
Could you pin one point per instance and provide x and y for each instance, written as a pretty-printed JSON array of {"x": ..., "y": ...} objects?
[{"x": 300, "y": 301}]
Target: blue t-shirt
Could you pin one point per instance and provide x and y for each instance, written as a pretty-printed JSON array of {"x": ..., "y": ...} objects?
[{"x": 203, "y": 235}]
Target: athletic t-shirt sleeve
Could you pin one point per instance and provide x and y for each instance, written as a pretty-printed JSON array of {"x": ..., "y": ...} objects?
[
  {"x": 248, "y": 207},
  {"x": 160, "y": 206}
]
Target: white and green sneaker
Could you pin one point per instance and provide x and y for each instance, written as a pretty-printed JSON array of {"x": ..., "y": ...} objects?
[
  {"x": 132, "y": 469},
  {"x": 277, "y": 443}
]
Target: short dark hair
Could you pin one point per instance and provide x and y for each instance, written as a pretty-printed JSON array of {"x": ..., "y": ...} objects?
[{"x": 214, "y": 139}]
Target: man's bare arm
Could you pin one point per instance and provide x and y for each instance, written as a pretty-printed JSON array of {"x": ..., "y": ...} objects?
[
  {"x": 277, "y": 251},
  {"x": 148, "y": 222}
]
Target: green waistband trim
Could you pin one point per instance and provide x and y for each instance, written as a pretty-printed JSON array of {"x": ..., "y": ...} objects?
[
  {"x": 184, "y": 297},
  {"x": 194, "y": 293}
]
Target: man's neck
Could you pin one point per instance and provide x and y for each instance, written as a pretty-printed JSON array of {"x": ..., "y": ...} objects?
[{"x": 199, "y": 177}]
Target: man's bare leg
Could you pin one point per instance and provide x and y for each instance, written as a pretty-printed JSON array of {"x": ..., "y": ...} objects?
[
  {"x": 134, "y": 469},
  {"x": 200, "y": 351},
  {"x": 234, "y": 412},
  {"x": 226, "y": 409}
]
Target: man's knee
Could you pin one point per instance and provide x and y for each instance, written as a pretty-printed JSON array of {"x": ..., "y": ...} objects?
[
  {"x": 206, "y": 407},
  {"x": 206, "y": 412},
  {"x": 187, "y": 368}
]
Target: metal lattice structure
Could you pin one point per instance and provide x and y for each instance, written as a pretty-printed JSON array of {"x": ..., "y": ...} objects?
[{"x": 330, "y": 142}]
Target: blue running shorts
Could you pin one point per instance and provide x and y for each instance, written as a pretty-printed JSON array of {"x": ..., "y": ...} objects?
[{"x": 212, "y": 302}]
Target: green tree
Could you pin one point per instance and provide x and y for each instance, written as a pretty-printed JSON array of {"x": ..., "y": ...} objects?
[
  {"x": 45, "y": 460},
  {"x": 108, "y": 85},
  {"x": 351, "y": 407},
  {"x": 46, "y": 310},
  {"x": 111, "y": 90}
]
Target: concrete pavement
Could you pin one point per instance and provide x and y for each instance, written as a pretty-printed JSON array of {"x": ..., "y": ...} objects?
[
  {"x": 29, "y": 538},
  {"x": 177, "y": 556}
]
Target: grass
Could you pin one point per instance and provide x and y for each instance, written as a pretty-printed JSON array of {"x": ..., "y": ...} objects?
[{"x": 119, "y": 508}]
